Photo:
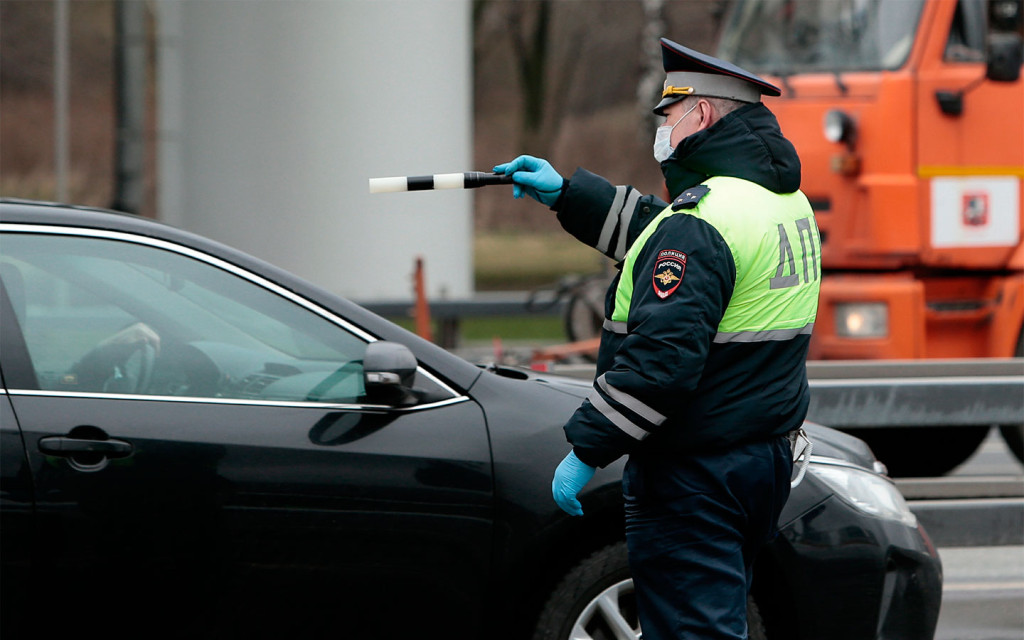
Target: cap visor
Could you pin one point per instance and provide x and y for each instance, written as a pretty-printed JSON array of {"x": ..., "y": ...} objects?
[{"x": 660, "y": 109}]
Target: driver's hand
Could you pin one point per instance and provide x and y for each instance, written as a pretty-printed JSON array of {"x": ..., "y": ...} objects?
[
  {"x": 138, "y": 333},
  {"x": 95, "y": 368}
]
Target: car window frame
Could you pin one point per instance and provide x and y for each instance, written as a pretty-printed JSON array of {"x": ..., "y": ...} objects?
[{"x": 454, "y": 396}]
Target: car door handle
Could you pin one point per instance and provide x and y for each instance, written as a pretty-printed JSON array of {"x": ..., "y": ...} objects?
[{"x": 65, "y": 446}]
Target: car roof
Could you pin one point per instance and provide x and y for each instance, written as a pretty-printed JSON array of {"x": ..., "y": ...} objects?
[{"x": 14, "y": 210}]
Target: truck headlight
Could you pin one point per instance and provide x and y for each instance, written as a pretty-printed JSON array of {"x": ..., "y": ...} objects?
[
  {"x": 838, "y": 126},
  {"x": 862, "y": 319},
  {"x": 866, "y": 492}
]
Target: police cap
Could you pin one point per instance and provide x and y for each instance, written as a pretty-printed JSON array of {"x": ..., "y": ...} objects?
[{"x": 690, "y": 72}]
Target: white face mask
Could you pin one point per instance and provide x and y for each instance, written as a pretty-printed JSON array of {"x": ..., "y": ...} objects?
[{"x": 663, "y": 148}]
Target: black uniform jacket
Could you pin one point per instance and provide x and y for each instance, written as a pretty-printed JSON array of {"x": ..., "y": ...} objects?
[{"x": 665, "y": 385}]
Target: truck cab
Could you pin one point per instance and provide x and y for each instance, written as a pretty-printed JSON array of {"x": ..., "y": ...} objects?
[
  {"x": 909, "y": 120},
  {"x": 908, "y": 116}
]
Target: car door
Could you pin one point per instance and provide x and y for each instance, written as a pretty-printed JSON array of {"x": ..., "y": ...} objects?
[
  {"x": 204, "y": 455},
  {"x": 15, "y": 518}
]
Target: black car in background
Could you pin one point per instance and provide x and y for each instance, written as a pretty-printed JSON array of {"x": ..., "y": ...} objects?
[{"x": 197, "y": 444}]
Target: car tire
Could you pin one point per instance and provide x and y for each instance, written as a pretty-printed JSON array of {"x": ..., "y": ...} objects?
[{"x": 579, "y": 606}]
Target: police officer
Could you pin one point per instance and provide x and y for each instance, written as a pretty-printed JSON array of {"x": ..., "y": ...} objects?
[{"x": 701, "y": 376}]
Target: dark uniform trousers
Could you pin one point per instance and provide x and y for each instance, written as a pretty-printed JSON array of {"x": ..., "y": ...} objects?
[{"x": 694, "y": 525}]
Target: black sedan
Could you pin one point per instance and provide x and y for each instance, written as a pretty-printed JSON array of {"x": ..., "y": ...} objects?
[{"x": 197, "y": 444}]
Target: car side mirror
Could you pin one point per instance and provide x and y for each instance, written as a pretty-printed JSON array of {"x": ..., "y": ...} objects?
[
  {"x": 1005, "y": 52},
  {"x": 389, "y": 370}
]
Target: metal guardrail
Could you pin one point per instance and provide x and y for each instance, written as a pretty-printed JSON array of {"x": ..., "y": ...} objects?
[
  {"x": 509, "y": 303},
  {"x": 987, "y": 522},
  {"x": 905, "y": 393},
  {"x": 968, "y": 511},
  {"x": 920, "y": 393},
  {"x": 962, "y": 487}
]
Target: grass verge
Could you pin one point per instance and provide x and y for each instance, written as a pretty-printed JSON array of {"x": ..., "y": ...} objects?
[{"x": 518, "y": 261}]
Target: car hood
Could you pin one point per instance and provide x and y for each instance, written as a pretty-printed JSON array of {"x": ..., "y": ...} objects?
[
  {"x": 575, "y": 386},
  {"x": 826, "y": 442}
]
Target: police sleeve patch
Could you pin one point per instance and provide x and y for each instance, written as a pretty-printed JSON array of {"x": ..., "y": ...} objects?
[{"x": 668, "y": 272}]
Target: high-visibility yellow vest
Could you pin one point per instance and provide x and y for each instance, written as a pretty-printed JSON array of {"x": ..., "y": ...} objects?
[{"x": 776, "y": 248}]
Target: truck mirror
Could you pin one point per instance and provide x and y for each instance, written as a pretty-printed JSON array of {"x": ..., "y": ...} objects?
[
  {"x": 951, "y": 103},
  {"x": 1005, "y": 56}
]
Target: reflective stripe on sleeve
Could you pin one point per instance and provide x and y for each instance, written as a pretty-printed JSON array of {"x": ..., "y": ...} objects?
[
  {"x": 625, "y": 217},
  {"x": 764, "y": 336},
  {"x": 611, "y": 220},
  {"x": 622, "y": 422},
  {"x": 614, "y": 326},
  {"x": 619, "y": 215},
  {"x": 639, "y": 408}
]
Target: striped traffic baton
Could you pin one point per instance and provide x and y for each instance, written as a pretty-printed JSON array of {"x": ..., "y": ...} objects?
[{"x": 468, "y": 180}]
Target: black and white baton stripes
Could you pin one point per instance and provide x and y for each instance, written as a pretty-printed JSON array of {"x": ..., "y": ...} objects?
[{"x": 468, "y": 180}]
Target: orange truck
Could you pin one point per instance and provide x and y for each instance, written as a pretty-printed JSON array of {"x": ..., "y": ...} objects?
[{"x": 909, "y": 119}]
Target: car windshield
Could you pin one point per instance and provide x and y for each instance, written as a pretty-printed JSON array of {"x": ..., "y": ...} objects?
[{"x": 783, "y": 37}]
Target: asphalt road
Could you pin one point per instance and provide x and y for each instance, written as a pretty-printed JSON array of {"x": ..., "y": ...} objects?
[
  {"x": 983, "y": 590},
  {"x": 983, "y": 594}
]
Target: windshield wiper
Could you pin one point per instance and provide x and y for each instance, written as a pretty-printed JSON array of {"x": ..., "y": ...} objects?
[
  {"x": 843, "y": 89},
  {"x": 784, "y": 77}
]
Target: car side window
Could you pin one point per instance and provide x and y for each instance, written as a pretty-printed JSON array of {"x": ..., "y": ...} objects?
[{"x": 113, "y": 316}]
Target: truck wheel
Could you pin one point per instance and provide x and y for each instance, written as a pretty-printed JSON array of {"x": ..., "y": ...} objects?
[
  {"x": 1014, "y": 437},
  {"x": 1013, "y": 434},
  {"x": 921, "y": 452},
  {"x": 596, "y": 600}
]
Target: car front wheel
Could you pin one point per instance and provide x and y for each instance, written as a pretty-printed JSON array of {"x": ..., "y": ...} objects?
[{"x": 596, "y": 601}]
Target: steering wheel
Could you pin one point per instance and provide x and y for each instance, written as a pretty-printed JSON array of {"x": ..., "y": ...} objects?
[
  {"x": 147, "y": 356},
  {"x": 118, "y": 381}
]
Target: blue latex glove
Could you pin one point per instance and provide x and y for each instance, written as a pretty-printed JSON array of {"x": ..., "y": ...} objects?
[
  {"x": 533, "y": 177},
  {"x": 570, "y": 477}
]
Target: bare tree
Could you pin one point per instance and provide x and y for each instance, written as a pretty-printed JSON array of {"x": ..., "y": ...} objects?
[
  {"x": 530, "y": 24},
  {"x": 542, "y": 73},
  {"x": 651, "y": 79}
]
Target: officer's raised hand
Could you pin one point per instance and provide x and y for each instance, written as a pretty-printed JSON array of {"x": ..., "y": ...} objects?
[
  {"x": 570, "y": 477},
  {"x": 534, "y": 177}
]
